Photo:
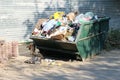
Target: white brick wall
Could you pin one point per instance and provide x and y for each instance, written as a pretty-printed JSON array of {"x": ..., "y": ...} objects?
[{"x": 17, "y": 17}]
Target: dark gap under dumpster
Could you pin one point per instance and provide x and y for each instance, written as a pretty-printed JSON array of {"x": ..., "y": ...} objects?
[{"x": 89, "y": 40}]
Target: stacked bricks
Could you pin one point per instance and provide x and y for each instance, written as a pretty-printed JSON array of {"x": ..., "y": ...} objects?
[{"x": 8, "y": 50}]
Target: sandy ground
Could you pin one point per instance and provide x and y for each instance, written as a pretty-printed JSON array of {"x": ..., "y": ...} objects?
[{"x": 105, "y": 66}]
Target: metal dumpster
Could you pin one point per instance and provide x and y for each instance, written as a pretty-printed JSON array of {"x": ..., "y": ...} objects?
[{"x": 89, "y": 40}]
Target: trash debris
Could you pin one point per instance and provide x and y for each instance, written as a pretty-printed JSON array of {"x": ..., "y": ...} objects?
[
  {"x": 48, "y": 25},
  {"x": 61, "y": 26},
  {"x": 58, "y": 15},
  {"x": 52, "y": 62},
  {"x": 33, "y": 60},
  {"x": 49, "y": 60},
  {"x": 71, "y": 16},
  {"x": 71, "y": 38}
]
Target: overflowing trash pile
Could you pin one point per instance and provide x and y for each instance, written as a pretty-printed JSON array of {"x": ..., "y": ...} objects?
[{"x": 61, "y": 26}]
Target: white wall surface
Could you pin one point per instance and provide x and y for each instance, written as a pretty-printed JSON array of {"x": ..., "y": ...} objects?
[{"x": 18, "y": 17}]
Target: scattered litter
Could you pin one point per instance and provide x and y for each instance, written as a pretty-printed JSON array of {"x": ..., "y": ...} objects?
[
  {"x": 52, "y": 62},
  {"x": 49, "y": 60},
  {"x": 33, "y": 60}
]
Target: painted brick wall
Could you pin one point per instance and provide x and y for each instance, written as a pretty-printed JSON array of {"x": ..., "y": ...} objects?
[{"x": 18, "y": 17}]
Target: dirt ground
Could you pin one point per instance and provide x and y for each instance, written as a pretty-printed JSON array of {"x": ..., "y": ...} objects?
[{"x": 105, "y": 66}]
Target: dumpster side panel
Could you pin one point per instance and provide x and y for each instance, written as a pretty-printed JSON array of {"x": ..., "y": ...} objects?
[
  {"x": 88, "y": 29},
  {"x": 54, "y": 45},
  {"x": 104, "y": 27},
  {"x": 88, "y": 43},
  {"x": 88, "y": 47},
  {"x": 91, "y": 37}
]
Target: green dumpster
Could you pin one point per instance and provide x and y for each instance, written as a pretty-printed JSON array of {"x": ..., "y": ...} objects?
[{"x": 89, "y": 40}]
